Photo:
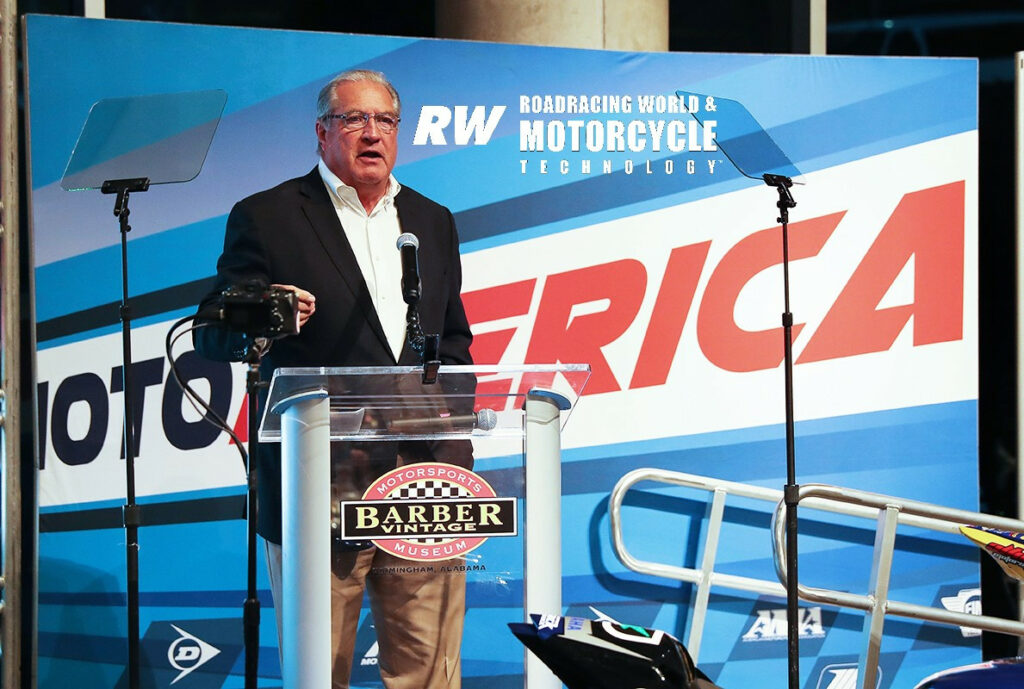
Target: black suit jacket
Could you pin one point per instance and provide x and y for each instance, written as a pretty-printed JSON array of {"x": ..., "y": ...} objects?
[{"x": 291, "y": 235}]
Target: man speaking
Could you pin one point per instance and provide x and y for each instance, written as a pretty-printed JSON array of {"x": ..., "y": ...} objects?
[{"x": 330, "y": 237}]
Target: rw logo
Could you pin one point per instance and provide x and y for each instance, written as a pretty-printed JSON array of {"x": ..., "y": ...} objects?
[{"x": 478, "y": 124}]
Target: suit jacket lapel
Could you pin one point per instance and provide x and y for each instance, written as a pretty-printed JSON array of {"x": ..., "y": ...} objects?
[{"x": 323, "y": 218}]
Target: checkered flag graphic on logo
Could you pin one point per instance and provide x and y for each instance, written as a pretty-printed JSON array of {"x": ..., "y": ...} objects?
[{"x": 430, "y": 489}]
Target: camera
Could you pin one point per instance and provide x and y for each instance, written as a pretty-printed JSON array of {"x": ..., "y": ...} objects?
[{"x": 259, "y": 310}]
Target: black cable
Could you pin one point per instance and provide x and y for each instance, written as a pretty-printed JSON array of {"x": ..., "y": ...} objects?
[
  {"x": 251, "y": 607},
  {"x": 194, "y": 398}
]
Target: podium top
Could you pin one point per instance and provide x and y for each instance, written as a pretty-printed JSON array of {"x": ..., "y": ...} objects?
[{"x": 392, "y": 403}]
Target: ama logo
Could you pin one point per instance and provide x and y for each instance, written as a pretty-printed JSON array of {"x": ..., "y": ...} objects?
[
  {"x": 771, "y": 625},
  {"x": 767, "y": 630}
]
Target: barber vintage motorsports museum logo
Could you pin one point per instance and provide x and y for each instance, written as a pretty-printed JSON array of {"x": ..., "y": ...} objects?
[{"x": 428, "y": 512}]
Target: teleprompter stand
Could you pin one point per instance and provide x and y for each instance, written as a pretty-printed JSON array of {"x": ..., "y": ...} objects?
[
  {"x": 791, "y": 492},
  {"x": 755, "y": 155},
  {"x": 132, "y": 518},
  {"x": 125, "y": 145}
]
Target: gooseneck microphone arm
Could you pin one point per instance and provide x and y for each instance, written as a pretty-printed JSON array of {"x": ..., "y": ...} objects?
[
  {"x": 408, "y": 244},
  {"x": 425, "y": 345}
]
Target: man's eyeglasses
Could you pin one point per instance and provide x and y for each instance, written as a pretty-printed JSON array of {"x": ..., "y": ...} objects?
[{"x": 353, "y": 120}]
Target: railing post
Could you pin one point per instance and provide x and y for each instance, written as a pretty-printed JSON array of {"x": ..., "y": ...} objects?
[
  {"x": 707, "y": 568},
  {"x": 878, "y": 591}
]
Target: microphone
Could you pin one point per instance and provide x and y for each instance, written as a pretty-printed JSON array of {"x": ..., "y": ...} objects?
[
  {"x": 408, "y": 244},
  {"x": 484, "y": 420}
]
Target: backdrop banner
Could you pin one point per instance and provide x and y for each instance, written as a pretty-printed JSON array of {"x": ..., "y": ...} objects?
[{"x": 601, "y": 222}]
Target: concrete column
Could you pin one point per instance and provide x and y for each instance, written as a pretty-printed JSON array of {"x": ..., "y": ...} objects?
[
  {"x": 808, "y": 26},
  {"x": 632, "y": 25}
]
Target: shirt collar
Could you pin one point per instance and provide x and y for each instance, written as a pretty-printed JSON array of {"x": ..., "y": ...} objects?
[{"x": 348, "y": 196}]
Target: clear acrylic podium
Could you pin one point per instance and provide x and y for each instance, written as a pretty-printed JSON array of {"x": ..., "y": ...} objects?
[{"x": 309, "y": 408}]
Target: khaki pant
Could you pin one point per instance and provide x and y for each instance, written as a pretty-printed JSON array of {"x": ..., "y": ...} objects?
[{"x": 418, "y": 617}]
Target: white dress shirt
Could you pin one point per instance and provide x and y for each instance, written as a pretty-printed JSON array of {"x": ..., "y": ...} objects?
[{"x": 373, "y": 240}]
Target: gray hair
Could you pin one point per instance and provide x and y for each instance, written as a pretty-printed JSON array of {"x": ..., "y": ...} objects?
[{"x": 327, "y": 99}]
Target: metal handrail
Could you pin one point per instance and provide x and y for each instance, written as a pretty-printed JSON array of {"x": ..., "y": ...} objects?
[
  {"x": 891, "y": 511},
  {"x": 888, "y": 510}
]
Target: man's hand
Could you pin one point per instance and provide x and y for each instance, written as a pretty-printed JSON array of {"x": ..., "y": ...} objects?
[{"x": 306, "y": 302}]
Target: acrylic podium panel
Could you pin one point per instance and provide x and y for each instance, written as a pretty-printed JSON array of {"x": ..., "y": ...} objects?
[
  {"x": 392, "y": 403},
  {"x": 337, "y": 424}
]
